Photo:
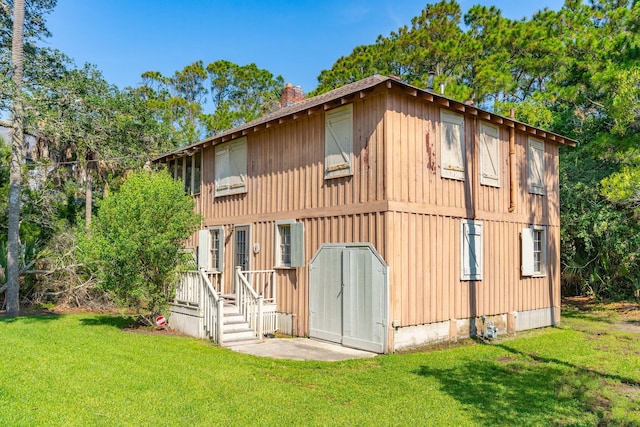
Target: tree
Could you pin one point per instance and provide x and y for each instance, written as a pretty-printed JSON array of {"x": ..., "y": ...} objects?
[
  {"x": 238, "y": 94},
  {"x": 15, "y": 174},
  {"x": 135, "y": 241}
]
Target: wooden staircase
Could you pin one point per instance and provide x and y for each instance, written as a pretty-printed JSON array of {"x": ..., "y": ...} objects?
[{"x": 235, "y": 328}]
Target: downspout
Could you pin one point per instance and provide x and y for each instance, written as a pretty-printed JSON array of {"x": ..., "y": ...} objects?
[{"x": 512, "y": 165}]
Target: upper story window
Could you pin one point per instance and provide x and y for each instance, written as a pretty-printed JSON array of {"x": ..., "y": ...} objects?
[
  {"x": 536, "y": 166},
  {"x": 452, "y": 158},
  {"x": 338, "y": 142},
  {"x": 231, "y": 168},
  {"x": 187, "y": 169},
  {"x": 489, "y": 154}
]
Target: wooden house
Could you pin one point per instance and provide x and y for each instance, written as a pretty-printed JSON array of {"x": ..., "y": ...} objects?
[{"x": 387, "y": 216}]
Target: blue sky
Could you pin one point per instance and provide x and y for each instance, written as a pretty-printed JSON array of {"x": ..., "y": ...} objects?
[{"x": 292, "y": 38}]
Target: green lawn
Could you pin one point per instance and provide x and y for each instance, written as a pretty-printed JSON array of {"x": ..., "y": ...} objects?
[{"x": 85, "y": 370}]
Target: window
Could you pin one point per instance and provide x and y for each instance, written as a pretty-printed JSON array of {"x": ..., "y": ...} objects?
[
  {"x": 489, "y": 155},
  {"x": 452, "y": 145},
  {"x": 179, "y": 162},
  {"x": 211, "y": 249},
  {"x": 188, "y": 184},
  {"x": 171, "y": 166},
  {"x": 534, "y": 251},
  {"x": 471, "y": 250},
  {"x": 338, "y": 142},
  {"x": 195, "y": 176},
  {"x": 289, "y": 244},
  {"x": 231, "y": 168},
  {"x": 536, "y": 166},
  {"x": 187, "y": 169}
]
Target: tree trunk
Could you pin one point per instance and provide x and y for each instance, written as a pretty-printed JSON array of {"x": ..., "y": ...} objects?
[
  {"x": 15, "y": 173},
  {"x": 88, "y": 195}
]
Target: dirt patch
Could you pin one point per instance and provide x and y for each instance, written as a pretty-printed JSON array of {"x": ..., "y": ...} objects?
[
  {"x": 627, "y": 310},
  {"x": 149, "y": 330}
]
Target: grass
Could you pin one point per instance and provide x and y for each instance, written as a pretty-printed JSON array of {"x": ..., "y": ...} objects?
[{"x": 86, "y": 370}]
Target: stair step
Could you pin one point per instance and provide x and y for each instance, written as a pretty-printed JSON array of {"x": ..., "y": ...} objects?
[
  {"x": 239, "y": 334},
  {"x": 232, "y": 341}
]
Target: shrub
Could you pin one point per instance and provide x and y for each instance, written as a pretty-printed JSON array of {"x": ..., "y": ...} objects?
[{"x": 134, "y": 243}]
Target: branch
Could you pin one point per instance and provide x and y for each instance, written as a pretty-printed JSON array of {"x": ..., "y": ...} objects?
[{"x": 5, "y": 8}]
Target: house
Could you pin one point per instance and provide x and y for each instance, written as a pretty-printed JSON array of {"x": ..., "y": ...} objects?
[{"x": 384, "y": 216}]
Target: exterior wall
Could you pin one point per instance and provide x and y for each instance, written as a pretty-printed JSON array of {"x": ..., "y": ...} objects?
[
  {"x": 397, "y": 201},
  {"x": 423, "y": 227},
  {"x": 285, "y": 181}
]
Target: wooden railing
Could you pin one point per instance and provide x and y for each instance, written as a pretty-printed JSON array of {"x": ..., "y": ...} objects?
[
  {"x": 212, "y": 307},
  {"x": 264, "y": 283},
  {"x": 194, "y": 288},
  {"x": 257, "y": 305}
]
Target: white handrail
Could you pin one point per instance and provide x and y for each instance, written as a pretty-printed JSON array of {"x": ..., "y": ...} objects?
[
  {"x": 249, "y": 303},
  {"x": 212, "y": 307},
  {"x": 194, "y": 288}
]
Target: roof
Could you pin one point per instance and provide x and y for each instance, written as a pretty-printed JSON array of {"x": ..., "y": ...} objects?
[{"x": 340, "y": 95}]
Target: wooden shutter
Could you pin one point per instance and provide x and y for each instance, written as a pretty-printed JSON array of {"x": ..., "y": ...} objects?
[
  {"x": 527, "y": 252},
  {"x": 338, "y": 142},
  {"x": 238, "y": 166},
  {"x": 452, "y": 145},
  {"x": 231, "y": 168},
  {"x": 471, "y": 248},
  {"x": 297, "y": 244},
  {"x": 222, "y": 171},
  {"x": 489, "y": 155},
  {"x": 204, "y": 243},
  {"x": 536, "y": 166}
]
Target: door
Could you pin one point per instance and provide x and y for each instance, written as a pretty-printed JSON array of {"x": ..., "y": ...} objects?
[
  {"x": 348, "y": 297},
  {"x": 241, "y": 247}
]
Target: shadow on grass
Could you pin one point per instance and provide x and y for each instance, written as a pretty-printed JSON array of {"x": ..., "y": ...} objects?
[
  {"x": 120, "y": 322},
  {"x": 29, "y": 318},
  {"x": 580, "y": 370},
  {"x": 506, "y": 393},
  {"x": 595, "y": 316}
]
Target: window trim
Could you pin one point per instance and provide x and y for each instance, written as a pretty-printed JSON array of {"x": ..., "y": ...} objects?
[
  {"x": 486, "y": 177},
  {"x": 466, "y": 251},
  {"x": 452, "y": 171},
  {"x": 223, "y": 185},
  {"x": 332, "y": 116},
  {"x": 536, "y": 186},
  {"x": 528, "y": 251},
  {"x": 296, "y": 245},
  {"x": 220, "y": 259}
]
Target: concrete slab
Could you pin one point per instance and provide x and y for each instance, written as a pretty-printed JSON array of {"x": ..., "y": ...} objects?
[{"x": 300, "y": 349}]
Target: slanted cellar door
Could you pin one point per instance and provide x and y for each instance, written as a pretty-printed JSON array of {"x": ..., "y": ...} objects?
[{"x": 348, "y": 294}]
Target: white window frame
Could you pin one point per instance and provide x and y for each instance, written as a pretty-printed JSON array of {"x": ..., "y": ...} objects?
[
  {"x": 338, "y": 142},
  {"x": 296, "y": 244},
  {"x": 471, "y": 250},
  {"x": 531, "y": 266},
  {"x": 452, "y": 153},
  {"x": 205, "y": 249},
  {"x": 536, "y": 167},
  {"x": 231, "y": 168},
  {"x": 489, "y": 154},
  {"x": 218, "y": 246}
]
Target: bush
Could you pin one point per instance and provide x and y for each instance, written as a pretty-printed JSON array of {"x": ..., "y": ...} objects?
[{"x": 134, "y": 243}]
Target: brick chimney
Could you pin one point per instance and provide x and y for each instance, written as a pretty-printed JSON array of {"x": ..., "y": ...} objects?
[{"x": 291, "y": 95}]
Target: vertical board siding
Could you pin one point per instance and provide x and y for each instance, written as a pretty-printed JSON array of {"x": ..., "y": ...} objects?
[
  {"x": 428, "y": 288},
  {"x": 396, "y": 158},
  {"x": 285, "y": 168},
  {"x": 292, "y": 284}
]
